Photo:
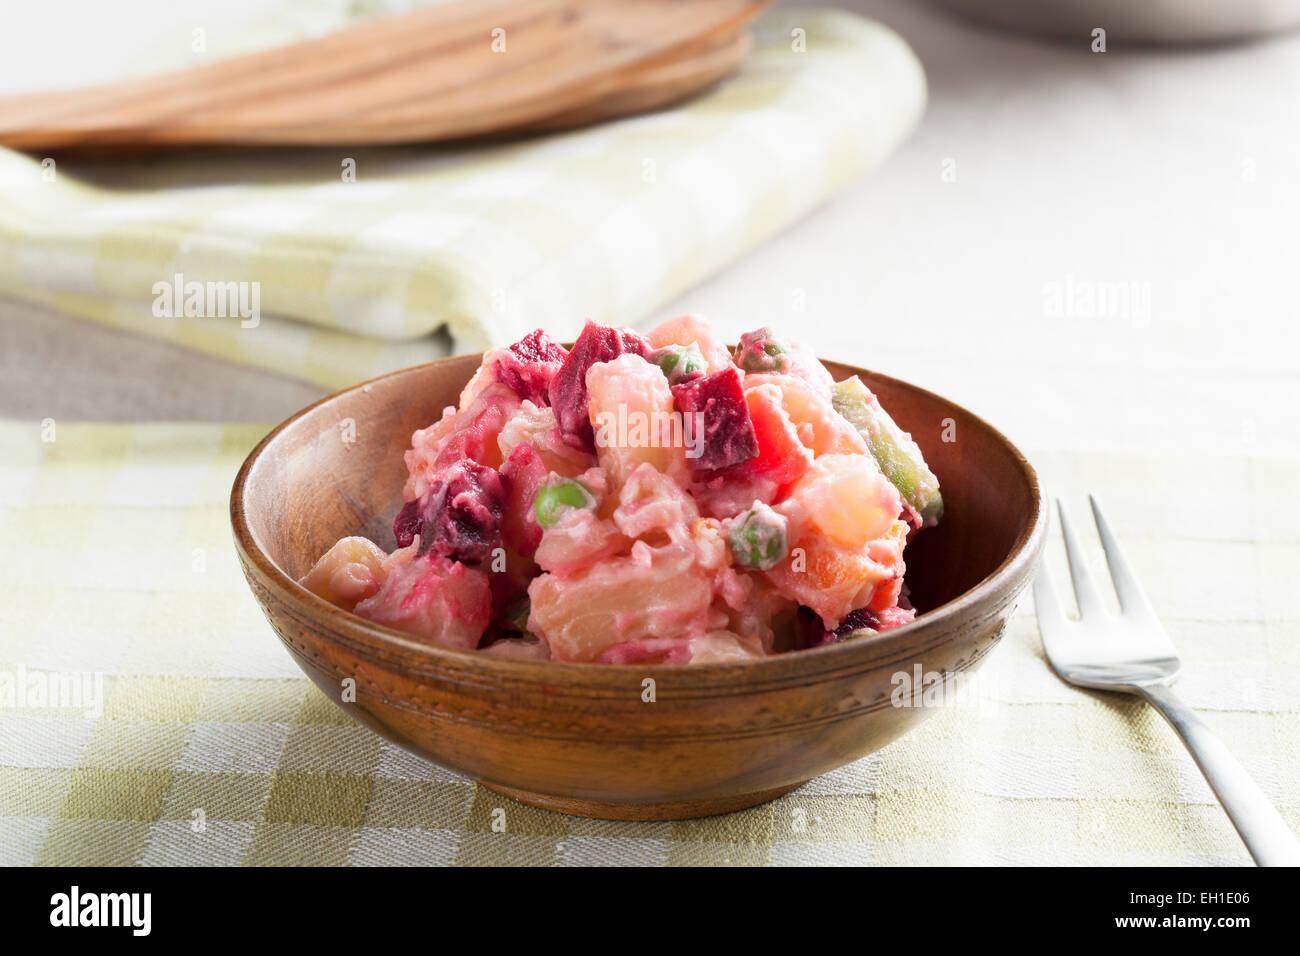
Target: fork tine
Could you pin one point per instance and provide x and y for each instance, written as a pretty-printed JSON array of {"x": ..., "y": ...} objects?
[
  {"x": 1053, "y": 626},
  {"x": 1127, "y": 588},
  {"x": 1085, "y": 591},
  {"x": 1046, "y": 607}
]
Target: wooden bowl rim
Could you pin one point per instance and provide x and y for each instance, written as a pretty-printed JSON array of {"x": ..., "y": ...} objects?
[{"x": 474, "y": 666}]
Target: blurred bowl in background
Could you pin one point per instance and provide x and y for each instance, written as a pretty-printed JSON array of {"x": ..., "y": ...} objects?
[{"x": 1162, "y": 22}]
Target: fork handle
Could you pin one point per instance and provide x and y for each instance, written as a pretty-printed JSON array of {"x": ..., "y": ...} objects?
[{"x": 1262, "y": 828}]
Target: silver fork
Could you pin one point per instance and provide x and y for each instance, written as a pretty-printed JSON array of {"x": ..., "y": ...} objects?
[{"x": 1133, "y": 654}]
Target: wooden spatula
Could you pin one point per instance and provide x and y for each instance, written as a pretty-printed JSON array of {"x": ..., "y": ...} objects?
[
  {"x": 658, "y": 84},
  {"x": 461, "y": 69}
]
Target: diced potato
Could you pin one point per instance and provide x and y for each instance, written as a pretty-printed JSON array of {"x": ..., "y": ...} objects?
[
  {"x": 887, "y": 551},
  {"x": 725, "y": 496},
  {"x": 519, "y": 648},
  {"x": 820, "y": 427},
  {"x": 434, "y": 599},
  {"x": 420, "y": 457},
  {"x": 847, "y": 498},
  {"x": 721, "y": 646},
  {"x": 536, "y": 426},
  {"x": 807, "y": 366},
  {"x": 578, "y": 539},
  {"x": 634, "y": 420},
  {"x": 649, "y": 652},
  {"x": 755, "y": 610},
  {"x": 653, "y": 507},
  {"x": 651, "y": 593},
  {"x": 483, "y": 376},
  {"x": 830, "y": 579},
  {"x": 567, "y": 393},
  {"x": 349, "y": 572}
]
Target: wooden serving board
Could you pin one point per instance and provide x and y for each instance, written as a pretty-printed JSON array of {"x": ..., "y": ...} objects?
[{"x": 435, "y": 73}]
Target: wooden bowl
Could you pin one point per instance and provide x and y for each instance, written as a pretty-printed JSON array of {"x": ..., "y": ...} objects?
[{"x": 582, "y": 738}]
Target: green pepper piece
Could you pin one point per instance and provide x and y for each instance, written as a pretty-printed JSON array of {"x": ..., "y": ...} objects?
[{"x": 895, "y": 452}]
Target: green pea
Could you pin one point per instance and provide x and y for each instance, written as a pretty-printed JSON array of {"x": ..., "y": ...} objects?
[
  {"x": 680, "y": 362},
  {"x": 553, "y": 497},
  {"x": 758, "y": 538},
  {"x": 762, "y": 351}
]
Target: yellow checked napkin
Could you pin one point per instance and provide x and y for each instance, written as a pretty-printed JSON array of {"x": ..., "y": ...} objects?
[
  {"x": 196, "y": 740},
  {"x": 359, "y": 255}
]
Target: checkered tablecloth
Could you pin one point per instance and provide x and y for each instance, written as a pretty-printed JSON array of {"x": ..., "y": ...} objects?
[{"x": 211, "y": 747}]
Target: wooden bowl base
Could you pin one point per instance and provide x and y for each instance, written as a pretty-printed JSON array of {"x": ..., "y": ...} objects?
[{"x": 669, "y": 810}]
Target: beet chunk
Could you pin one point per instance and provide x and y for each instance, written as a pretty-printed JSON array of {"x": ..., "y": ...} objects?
[
  {"x": 809, "y": 631},
  {"x": 459, "y": 516},
  {"x": 462, "y": 518},
  {"x": 861, "y": 619},
  {"x": 568, "y": 389},
  {"x": 716, "y": 404},
  {"x": 529, "y": 366},
  {"x": 408, "y": 524}
]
